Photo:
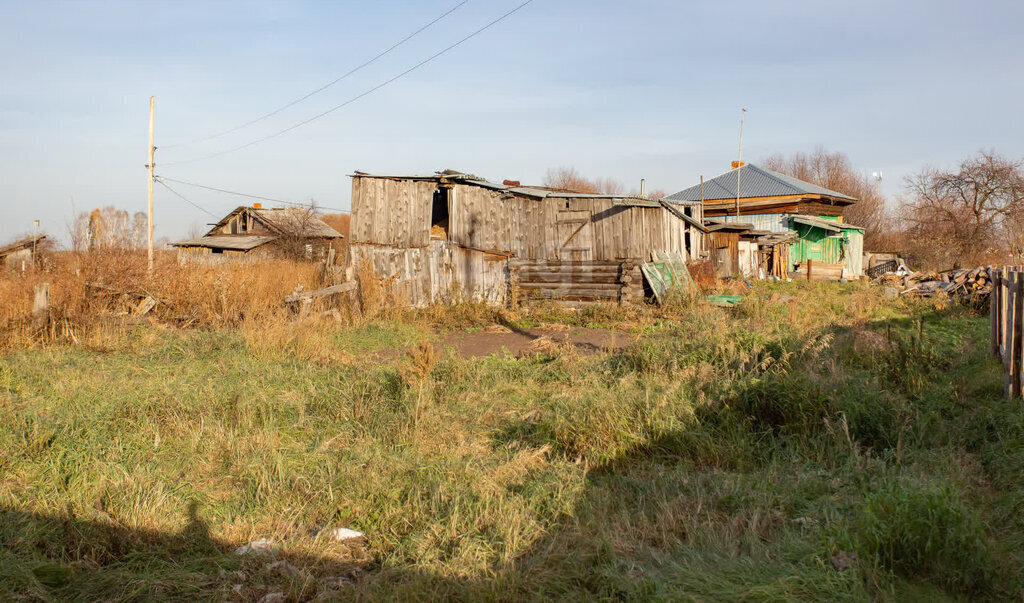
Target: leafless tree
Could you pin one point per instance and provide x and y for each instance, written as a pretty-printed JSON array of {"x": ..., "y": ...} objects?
[
  {"x": 297, "y": 228},
  {"x": 835, "y": 172},
  {"x": 966, "y": 216},
  {"x": 108, "y": 228},
  {"x": 570, "y": 180}
]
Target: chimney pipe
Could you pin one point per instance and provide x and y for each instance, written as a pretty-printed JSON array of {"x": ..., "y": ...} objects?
[{"x": 643, "y": 187}]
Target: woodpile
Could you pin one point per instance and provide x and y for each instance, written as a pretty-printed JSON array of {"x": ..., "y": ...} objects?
[{"x": 973, "y": 283}]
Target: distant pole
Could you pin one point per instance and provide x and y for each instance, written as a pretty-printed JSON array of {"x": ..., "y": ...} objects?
[
  {"x": 739, "y": 162},
  {"x": 151, "y": 165},
  {"x": 35, "y": 238}
]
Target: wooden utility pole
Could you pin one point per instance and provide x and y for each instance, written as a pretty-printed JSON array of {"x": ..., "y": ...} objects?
[{"x": 151, "y": 165}]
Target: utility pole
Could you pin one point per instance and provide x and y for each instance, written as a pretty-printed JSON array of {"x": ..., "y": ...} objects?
[
  {"x": 739, "y": 162},
  {"x": 151, "y": 165},
  {"x": 35, "y": 239}
]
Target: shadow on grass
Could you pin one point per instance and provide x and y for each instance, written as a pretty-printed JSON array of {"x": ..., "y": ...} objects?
[{"x": 65, "y": 557}]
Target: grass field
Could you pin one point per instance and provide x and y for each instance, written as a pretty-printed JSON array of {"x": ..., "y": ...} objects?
[{"x": 816, "y": 442}]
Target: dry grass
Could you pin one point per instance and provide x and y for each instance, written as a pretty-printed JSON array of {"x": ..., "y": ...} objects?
[{"x": 87, "y": 289}]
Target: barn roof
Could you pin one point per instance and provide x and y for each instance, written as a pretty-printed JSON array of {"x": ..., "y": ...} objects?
[{"x": 755, "y": 182}]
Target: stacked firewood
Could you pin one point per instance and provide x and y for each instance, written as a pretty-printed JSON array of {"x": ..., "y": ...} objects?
[{"x": 973, "y": 282}]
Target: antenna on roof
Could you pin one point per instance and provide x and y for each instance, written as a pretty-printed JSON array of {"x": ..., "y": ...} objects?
[{"x": 739, "y": 161}]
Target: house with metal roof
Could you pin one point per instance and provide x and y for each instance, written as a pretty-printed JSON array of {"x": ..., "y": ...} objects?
[
  {"x": 451, "y": 235},
  {"x": 258, "y": 232},
  {"x": 777, "y": 203}
]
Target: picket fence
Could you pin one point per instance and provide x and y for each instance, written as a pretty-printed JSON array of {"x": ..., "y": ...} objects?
[{"x": 1006, "y": 318}]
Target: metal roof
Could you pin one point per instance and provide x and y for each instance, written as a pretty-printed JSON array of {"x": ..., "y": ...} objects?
[
  {"x": 452, "y": 176},
  {"x": 234, "y": 242},
  {"x": 754, "y": 182},
  {"x": 824, "y": 224}
]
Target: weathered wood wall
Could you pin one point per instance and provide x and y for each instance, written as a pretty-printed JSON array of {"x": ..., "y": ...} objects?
[
  {"x": 440, "y": 272},
  {"x": 561, "y": 229},
  {"x": 391, "y": 212},
  {"x": 391, "y": 222},
  {"x": 725, "y": 253}
]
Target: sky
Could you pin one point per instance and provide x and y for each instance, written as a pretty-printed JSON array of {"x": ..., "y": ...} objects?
[{"x": 614, "y": 89}]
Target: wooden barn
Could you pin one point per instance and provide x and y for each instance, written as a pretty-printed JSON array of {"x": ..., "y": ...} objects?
[
  {"x": 255, "y": 232},
  {"x": 451, "y": 235}
]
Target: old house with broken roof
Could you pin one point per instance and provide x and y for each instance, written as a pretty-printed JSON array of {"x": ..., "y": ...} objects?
[
  {"x": 780, "y": 208},
  {"x": 21, "y": 253},
  {"x": 255, "y": 232},
  {"x": 452, "y": 235}
]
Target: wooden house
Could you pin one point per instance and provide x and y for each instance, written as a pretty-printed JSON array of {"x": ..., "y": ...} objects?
[
  {"x": 22, "y": 252},
  {"x": 452, "y": 235},
  {"x": 255, "y": 232},
  {"x": 776, "y": 203}
]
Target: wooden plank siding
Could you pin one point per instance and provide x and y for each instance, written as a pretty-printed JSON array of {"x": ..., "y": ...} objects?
[{"x": 391, "y": 220}]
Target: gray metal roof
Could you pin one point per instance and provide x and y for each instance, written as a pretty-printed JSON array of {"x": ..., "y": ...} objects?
[{"x": 754, "y": 182}]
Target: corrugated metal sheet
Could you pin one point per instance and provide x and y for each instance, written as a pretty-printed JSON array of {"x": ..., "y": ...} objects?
[
  {"x": 769, "y": 222},
  {"x": 754, "y": 182}
]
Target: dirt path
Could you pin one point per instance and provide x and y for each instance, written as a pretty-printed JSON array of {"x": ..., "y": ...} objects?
[{"x": 519, "y": 342}]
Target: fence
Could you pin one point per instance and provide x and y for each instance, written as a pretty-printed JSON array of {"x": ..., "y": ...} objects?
[{"x": 1006, "y": 318}]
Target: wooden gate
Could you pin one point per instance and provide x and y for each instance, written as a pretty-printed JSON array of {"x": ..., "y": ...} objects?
[{"x": 575, "y": 232}]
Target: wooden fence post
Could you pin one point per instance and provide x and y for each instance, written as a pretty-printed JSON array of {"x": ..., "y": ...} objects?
[
  {"x": 41, "y": 304},
  {"x": 809, "y": 269},
  {"x": 1003, "y": 294},
  {"x": 1017, "y": 297},
  {"x": 993, "y": 312}
]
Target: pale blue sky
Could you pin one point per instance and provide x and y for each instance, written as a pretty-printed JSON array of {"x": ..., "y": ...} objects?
[{"x": 626, "y": 90}]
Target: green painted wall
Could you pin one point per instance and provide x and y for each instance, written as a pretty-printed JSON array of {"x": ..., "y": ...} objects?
[{"x": 815, "y": 244}]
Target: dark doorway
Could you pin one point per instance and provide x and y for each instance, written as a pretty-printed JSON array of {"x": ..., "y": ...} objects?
[{"x": 439, "y": 213}]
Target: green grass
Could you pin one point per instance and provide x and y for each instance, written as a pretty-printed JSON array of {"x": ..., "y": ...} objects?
[{"x": 727, "y": 454}]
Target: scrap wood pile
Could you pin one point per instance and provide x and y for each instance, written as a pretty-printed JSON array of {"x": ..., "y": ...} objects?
[{"x": 968, "y": 283}]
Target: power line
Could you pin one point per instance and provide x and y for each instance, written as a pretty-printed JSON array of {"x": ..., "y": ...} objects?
[
  {"x": 325, "y": 86},
  {"x": 225, "y": 191},
  {"x": 361, "y": 95},
  {"x": 183, "y": 198}
]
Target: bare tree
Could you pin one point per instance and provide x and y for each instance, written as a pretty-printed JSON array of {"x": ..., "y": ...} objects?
[
  {"x": 570, "y": 180},
  {"x": 965, "y": 216},
  {"x": 835, "y": 172},
  {"x": 297, "y": 231},
  {"x": 108, "y": 228}
]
